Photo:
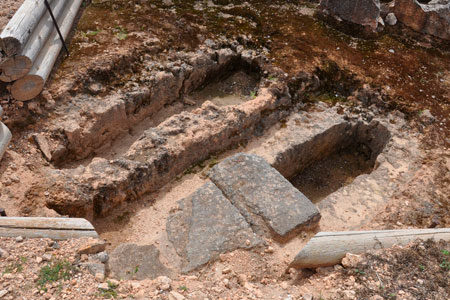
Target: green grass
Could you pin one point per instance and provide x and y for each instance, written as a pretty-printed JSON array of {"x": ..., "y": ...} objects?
[
  {"x": 55, "y": 271},
  {"x": 109, "y": 293}
]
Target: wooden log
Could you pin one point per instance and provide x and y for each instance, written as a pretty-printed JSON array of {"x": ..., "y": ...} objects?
[
  {"x": 32, "y": 84},
  {"x": 5, "y": 138},
  {"x": 19, "y": 65},
  {"x": 14, "y": 68},
  {"x": 328, "y": 248},
  {"x": 21, "y": 25},
  {"x": 53, "y": 228}
]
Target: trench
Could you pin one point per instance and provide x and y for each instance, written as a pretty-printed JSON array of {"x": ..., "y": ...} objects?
[
  {"x": 349, "y": 159},
  {"x": 235, "y": 87}
]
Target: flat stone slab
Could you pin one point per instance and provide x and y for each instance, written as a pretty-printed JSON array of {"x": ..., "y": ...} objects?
[
  {"x": 206, "y": 225},
  {"x": 256, "y": 188},
  {"x": 130, "y": 261}
]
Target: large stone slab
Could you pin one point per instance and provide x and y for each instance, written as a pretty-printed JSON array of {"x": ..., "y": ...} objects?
[
  {"x": 257, "y": 189},
  {"x": 206, "y": 225},
  {"x": 130, "y": 261},
  {"x": 362, "y": 12}
]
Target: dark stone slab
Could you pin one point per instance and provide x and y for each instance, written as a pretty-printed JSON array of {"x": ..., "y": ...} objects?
[
  {"x": 130, "y": 261},
  {"x": 256, "y": 188},
  {"x": 206, "y": 225}
]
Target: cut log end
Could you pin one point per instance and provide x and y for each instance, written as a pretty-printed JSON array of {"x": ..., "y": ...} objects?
[
  {"x": 15, "y": 68},
  {"x": 27, "y": 87},
  {"x": 10, "y": 45}
]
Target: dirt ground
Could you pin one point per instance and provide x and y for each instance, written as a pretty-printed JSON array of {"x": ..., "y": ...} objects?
[
  {"x": 7, "y": 10},
  {"x": 113, "y": 50}
]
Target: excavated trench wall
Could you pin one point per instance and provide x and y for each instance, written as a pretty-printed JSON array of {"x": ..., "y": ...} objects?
[{"x": 94, "y": 122}]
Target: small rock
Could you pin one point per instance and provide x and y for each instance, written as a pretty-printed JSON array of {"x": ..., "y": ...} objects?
[
  {"x": 19, "y": 239},
  {"x": 114, "y": 282},
  {"x": 3, "y": 253},
  {"x": 391, "y": 51},
  {"x": 94, "y": 268},
  {"x": 135, "y": 285},
  {"x": 39, "y": 259},
  {"x": 164, "y": 283},
  {"x": 92, "y": 246},
  {"x": 103, "y": 286},
  {"x": 391, "y": 19},
  {"x": 351, "y": 260},
  {"x": 176, "y": 296},
  {"x": 226, "y": 270},
  {"x": 3, "y": 293},
  {"x": 99, "y": 277},
  {"x": 307, "y": 297},
  {"x": 103, "y": 257},
  {"x": 269, "y": 250},
  {"x": 349, "y": 295},
  {"x": 284, "y": 285},
  {"x": 47, "y": 257}
]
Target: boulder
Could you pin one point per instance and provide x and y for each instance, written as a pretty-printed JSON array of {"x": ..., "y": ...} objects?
[
  {"x": 432, "y": 18},
  {"x": 258, "y": 189},
  {"x": 130, "y": 261},
  {"x": 361, "y": 12},
  {"x": 205, "y": 226}
]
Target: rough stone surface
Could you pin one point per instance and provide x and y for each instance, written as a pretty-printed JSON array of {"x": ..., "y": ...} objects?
[
  {"x": 91, "y": 246},
  {"x": 94, "y": 268},
  {"x": 258, "y": 189},
  {"x": 160, "y": 154},
  {"x": 207, "y": 225},
  {"x": 432, "y": 18},
  {"x": 391, "y": 19},
  {"x": 130, "y": 261},
  {"x": 362, "y": 12}
]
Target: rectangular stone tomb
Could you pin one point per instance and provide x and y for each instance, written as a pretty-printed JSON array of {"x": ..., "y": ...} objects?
[{"x": 260, "y": 191}]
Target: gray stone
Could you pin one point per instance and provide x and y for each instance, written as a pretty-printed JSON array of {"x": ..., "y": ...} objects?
[
  {"x": 391, "y": 19},
  {"x": 94, "y": 268},
  {"x": 130, "y": 261},
  {"x": 103, "y": 257},
  {"x": 258, "y": 189},
  {"x": 362, "y": 12},
  {"x": 207, "y": 225},
  {"x": 432, "y": 18}
]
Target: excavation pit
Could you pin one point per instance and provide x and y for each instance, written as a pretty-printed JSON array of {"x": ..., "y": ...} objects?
[
  {"x": 353, "y": 155},
  {"x": 328, "y": 175}
]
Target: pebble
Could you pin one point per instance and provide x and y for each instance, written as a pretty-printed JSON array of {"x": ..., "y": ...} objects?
[
  {"x": 103, "y": 286},
  {"x": 177, "y": 296},
  {"x": 164, "y": 283},
  {"x": 19, "y": 239},
  {"x": 47, "y": 257},
  {"x": 3, "y": 293},
  {"x": 39, "y": 259},
  {"x": 226, "y": 270},
  {"x": 3, "y": 253}
]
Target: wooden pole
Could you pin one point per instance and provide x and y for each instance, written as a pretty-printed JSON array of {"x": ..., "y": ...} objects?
[
  {"x": 21, "y": 25},
  {"x": 32, "y": 84},
  {"x": 17, "y": 66},
  {"x": 53, "y": 228},
  {"x": 328, "y": 248}
]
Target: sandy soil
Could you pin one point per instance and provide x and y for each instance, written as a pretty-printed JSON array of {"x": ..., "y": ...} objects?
[{"x": 7, "y": 10}]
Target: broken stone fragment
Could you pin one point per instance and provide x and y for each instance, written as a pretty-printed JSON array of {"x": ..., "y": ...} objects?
[
  {"x": 91, "y": 246},
  {"x": 130, "y": 261},
  {"x": 94, "y": 268},
  {"x": 361, "y": 12},
  {"x": 257, "y": 189},
  {"x": 42, "y": 144},
  {"x": 205, "y": 226}
]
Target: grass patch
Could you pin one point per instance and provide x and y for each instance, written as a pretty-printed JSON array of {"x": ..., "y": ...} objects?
[
  {"x": 55, "y": 271},
  {"x": 110, "y": 292}
]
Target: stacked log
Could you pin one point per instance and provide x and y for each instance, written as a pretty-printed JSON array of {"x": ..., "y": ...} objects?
[{"x": 31, "y": 44}]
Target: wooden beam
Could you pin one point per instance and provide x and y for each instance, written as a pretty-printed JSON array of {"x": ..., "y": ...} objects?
[
  {"x": 5, "y": 138},
  {"x": 32, "y": 84},
  {"x": 19, "y": 65},
  {"x": 54, "y": 228},
  {"x": 21, "y": 25},
  {"x": 328, "y": 248}
]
